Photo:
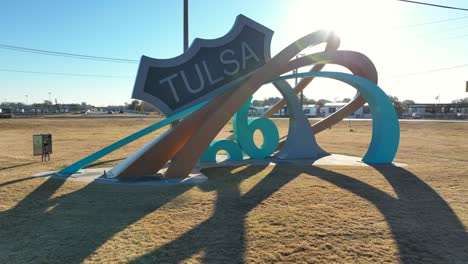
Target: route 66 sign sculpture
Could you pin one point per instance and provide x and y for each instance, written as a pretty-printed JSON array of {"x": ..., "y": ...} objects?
[{"x": 214, "y": 80}]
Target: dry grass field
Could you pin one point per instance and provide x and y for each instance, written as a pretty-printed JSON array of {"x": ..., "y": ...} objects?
[{"x": 252, "y": 214}]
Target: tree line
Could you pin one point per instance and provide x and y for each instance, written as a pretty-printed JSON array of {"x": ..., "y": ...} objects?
[
  {"x": 307, "y": 101},
  {"x": 400, "y": 106}
]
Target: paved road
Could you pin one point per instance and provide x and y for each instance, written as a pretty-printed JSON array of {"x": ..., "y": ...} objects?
[
  {"x": 401, "y": 120},
  {"x": 119, "y": 116},
  {"x": 414, "y": 120}
]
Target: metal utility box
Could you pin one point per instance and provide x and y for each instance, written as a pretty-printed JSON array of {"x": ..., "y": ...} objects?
[{"x": 42, "y": 144}]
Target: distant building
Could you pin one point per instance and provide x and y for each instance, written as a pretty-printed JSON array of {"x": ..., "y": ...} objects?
[
  {"x": 311, "y": 110},
  {"x": 6, "y": 113},
  {"x": 283, "y": 112},
  {"x": 438, "y": 111},
  {"x": 330, "y": 108},
  {"x": 258, "y": 110}
]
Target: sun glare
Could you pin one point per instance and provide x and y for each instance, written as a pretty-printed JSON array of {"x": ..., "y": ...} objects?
[
  {"x": 351, "y": 20},
  {"x": 363, "y": 25}
]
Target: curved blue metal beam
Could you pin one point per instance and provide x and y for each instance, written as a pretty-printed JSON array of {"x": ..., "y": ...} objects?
[
  {"x": 73, "y": 168},
  {"x": 145, "y": 131},
  {"x": 385, "y": 125}
]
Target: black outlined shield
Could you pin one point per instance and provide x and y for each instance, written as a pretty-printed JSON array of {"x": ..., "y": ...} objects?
[{"x": 205, "y": 70}]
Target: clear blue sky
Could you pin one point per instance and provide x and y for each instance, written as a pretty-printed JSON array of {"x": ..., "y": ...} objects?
[{"x": 129, "y": 29}]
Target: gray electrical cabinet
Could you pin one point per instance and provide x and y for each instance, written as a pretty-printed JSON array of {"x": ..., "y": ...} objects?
[{"x": 42, "y": 144}]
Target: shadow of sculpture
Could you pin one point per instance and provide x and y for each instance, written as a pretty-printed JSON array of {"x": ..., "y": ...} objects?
[
  {"x": 61, "y": 235},
  {"x": 221, "y": 237},
  {"x": 424, "y": 227},
  {"x": 97, "y": 164},
  {"x": 16, "y": 166},
  {"x": 16, "y": 181},
  {"x": 426, "y": 230}
]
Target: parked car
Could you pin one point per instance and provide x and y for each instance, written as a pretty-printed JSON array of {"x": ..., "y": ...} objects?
[{"x": 416, "y": 116}]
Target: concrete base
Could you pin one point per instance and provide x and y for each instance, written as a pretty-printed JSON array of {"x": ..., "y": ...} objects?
[
  {"x": 98, "y": 176},
  {"x": 329, "y": 160},
  {"x": 196, "y": 177}
]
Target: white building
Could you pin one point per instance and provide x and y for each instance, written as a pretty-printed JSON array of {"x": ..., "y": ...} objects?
[
  {"x": 257, "y": 110},
  {"x": 313, "y": 110},
  {"x": 330, "y": 108},
  {"x": 310, "y": 110}
]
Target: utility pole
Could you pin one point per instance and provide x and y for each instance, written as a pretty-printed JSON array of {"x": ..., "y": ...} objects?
[
  {"x": 50, "y": 102},
  {"x": 186, "y": 29},
  {"x": 186, "y": 36},
  {"x": 302, "y": 92}
]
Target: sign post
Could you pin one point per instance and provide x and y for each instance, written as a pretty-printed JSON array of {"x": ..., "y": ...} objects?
[
  {"x": 186, "y": 29},
  {"x": 185, "y": 25}
]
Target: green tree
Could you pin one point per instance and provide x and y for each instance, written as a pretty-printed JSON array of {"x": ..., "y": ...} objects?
[
  {"x": 405, "y": 104},
  {"x": 134, "y": 105},
  {"x": 140, "y": 107},
  {"x": 397, "y": 105},
  {"x": 271, "y": 101},
  {"x": 308, "y": 101},
  {"x": 322, "y": 102},
  {"x": 461, "y": 101},
  {"x": 257, "y": 103},
  {"x": 148, "y": 107},
  {"x": 408, "y": 102},
  {"x": 12, "y": 104}
]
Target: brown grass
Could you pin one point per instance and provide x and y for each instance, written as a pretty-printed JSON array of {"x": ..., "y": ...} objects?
[{"x": 255, "y": 214}]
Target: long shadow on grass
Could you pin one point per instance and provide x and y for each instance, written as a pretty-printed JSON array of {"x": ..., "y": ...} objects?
[
  {"x": 16, "y": 166},
  {"x": 16, "y": 181},
  {"x": 425, "y": 229},
  {"x": 58, "y": 229},
  {"x": 102, "y": 163},
  {"x": 221, "y": 237},
  {"x": 68, "y": 228}
]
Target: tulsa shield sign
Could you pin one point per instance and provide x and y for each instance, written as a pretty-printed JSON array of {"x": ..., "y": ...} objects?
[{"x": 205, "y": 70}]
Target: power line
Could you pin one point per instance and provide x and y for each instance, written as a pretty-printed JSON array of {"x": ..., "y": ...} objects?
[
  {"x": 67, "y": 74},
  {"x": 65, "y": 54},
  {"x": 424, "y": 72},
  {"x": 123, "y": 60},
  {"x": 427, "y": 42},
  {"x": 431, "y": 41},
  {"x": 129, "y": 77},
  {"x": 434, "y": 5},
  {"x": 432, "y": 22}
]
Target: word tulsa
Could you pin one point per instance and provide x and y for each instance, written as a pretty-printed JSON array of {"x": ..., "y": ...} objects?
[{"x": 226, "y": 57}]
